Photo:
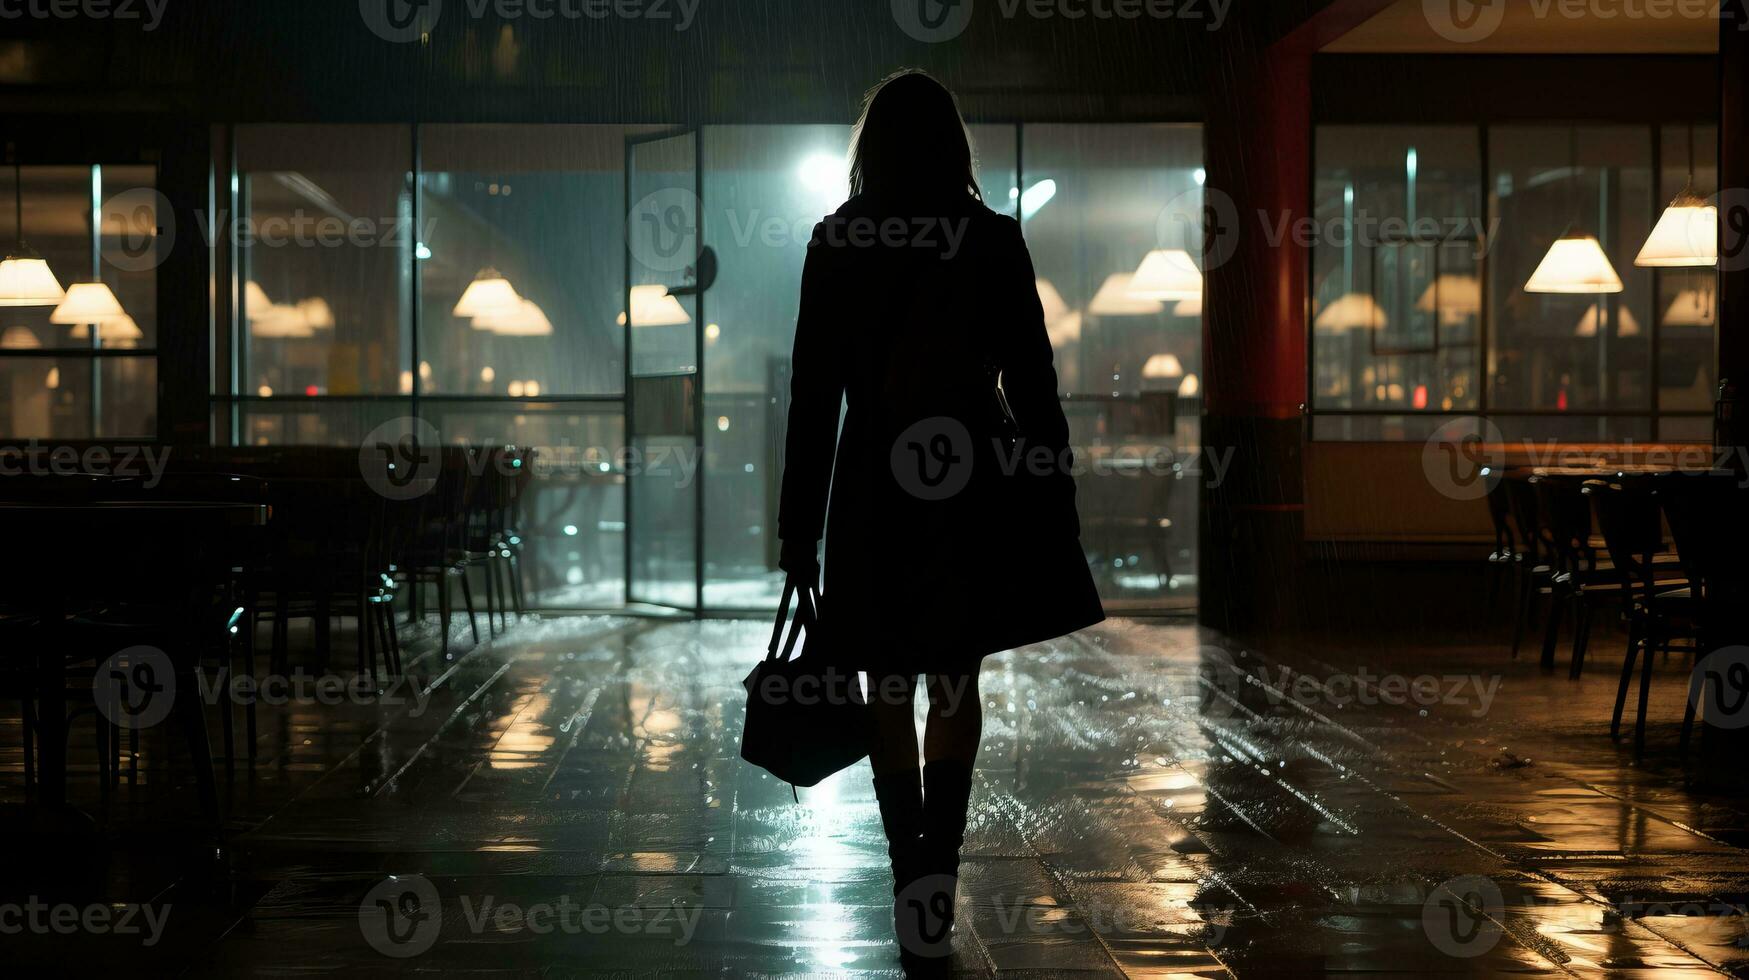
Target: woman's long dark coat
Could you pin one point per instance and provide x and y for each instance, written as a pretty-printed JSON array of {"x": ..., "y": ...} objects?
[{"x": 949, "y": 536}]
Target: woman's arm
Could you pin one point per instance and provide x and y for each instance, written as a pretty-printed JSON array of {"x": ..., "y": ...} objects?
[
  {"x": 1029, "y": 374},
  {"x": 816, "y": 395}
]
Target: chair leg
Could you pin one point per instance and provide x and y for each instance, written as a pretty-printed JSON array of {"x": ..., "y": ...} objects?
[
  {"x": 1552, "y": 635},
  {"x": 193, "y": 723},
  {"x": 248, "y": 655},
  {"x": 491, "y": 595},
  {"x": 281, "y": 657},
  {"x": 1627, "y": 673},
  {"x": 516, "y": 582},
  {"x": 1694, "y": 692},
  {"x": 443, "y": 607},
  {"x": 27, "y": 717},
  {"x": 367, "y": 648},
  {"x": 1581, "y": 638},
  {"x": 1645, "y": 692},
  {"x": 105, "y": 754},
  {"x": 468, "y": 599},
  {"x": 1526, "y": 592},
  {"x": 394, "y": 636}
]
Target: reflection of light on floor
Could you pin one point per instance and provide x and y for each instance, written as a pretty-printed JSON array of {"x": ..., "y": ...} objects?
[{"x": 825, "y": 924}]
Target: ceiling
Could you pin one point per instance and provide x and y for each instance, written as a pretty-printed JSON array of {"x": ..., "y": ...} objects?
[{"x": 1536, "y": 27}]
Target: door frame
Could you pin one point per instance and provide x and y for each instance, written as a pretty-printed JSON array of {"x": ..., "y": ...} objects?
[{"x": 632, "y": 142}]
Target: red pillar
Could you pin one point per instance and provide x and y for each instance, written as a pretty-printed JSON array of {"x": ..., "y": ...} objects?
[{"x": 1258, "y": 132}]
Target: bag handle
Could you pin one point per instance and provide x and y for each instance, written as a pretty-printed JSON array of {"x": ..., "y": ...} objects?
[{"x": 807, "y": 614}]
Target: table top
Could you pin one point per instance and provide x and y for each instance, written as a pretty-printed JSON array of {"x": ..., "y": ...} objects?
[{"x": 225, "y": 512}]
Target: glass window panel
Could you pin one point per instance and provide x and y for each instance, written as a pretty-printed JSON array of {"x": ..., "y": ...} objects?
[
  {"x": 128, "y": 397},
  {"x": 1396, "y": 308},
  {"x": 129, "y": 250},
  {"x": 1561, "y": 352},
  {"x": 572, "y": 516},
  {"x": 1553, "y": 428},
  {"x": 1097, "y": 199},
  {"x": 45, "y": 397},
  {"x": 325, "y": 250},
  {"x": 59, "y": 205},
  {"x": 314, "y": 421},
  {"x": 765, "y": 187},
  {"x": 1688, "y": 298},
  {"x": 544, "y": 206}
]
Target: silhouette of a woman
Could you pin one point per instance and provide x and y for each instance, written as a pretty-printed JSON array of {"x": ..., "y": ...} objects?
[{"x": 953, "y": 532}]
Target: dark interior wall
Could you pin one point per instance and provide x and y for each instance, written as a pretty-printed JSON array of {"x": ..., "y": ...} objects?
[{"x": 736, "y": 61}]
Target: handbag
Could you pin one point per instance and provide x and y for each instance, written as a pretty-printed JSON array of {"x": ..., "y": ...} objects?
[{"x": 806, "y": 719}]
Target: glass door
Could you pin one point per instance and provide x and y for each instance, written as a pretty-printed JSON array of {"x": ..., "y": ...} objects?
[{"x": 667, "y": 270}]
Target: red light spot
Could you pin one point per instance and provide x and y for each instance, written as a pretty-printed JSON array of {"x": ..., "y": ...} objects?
[
  {"x": 1561, "y": 401},
  {"x": 1420, "y": 396},
  {"x": 311, "y": 390}
]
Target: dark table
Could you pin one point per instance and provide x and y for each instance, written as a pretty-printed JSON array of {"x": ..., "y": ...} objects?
[{"x": 173, "y": 552}]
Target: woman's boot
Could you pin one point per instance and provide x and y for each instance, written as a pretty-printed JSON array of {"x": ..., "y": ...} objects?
[
  {"x": 947, "y": 789},
  {"x": 901, "y": 799}
]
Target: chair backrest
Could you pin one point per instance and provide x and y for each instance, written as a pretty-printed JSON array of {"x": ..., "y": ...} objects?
[
  {"x": 1632, "y": 532},
  {"x": 1566, "y": 521},
  {"x": 1499, "y": 511},
  {"x": 1521, "y": 496},
  {"x": 1709, "y": 523}
]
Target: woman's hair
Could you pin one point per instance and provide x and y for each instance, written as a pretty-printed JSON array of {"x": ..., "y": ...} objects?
[{"x": 910, "y": 141}]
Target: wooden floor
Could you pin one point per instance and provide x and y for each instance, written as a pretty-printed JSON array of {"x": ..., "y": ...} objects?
[{"x": 1150, "y": 801}]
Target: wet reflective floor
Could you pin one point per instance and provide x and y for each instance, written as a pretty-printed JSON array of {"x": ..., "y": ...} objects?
[{"x": 1150, "y": 801}]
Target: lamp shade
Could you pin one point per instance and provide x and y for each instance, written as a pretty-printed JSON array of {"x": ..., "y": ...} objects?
[
  {"x": 1457, "y": 297},
  {"x": 1351, "y": 311},
  {"x": 26, "y": 280},
  {"x": 317, "y": 313},
  {"x": 87, "y": 302},
  {"x": 1167, "y": 273},
  {"x": 255, "y": 298},
  {"x": 1574, "y": 264},
  {"x": 1692, "y": 308},
  {"x": 1189, "y": 386},
  {"x": 488, "y": 293},
  {"x": 120, "y": 331},
  {"x": 652, "y": 306},
  {"x": 1163, "y": 366},
  {"x": 1626, "y": 324},
  {"x": 19, "y": 338},
  {"x": 1687, "y": 233},
  {"x": 1051, "y": 300},
  {"x": 1115, "y": 299},
  {"x": 528, "y": 320},
  {"x": 280, "y": 321},
  {"x": 1065, "y": 329}
]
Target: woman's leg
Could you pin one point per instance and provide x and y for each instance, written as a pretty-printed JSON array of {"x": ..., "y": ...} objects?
[
  {"x": 950, "y": 746},
  {"x": 898, "y": 787},
  {"x": 956, "y": 719}
]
